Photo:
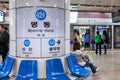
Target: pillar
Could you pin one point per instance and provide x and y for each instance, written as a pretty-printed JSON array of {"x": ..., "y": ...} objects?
[{"x": 39, "y": 30}]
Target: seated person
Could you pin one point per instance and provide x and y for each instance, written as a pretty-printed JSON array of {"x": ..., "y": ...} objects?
[{"x": 85, "y": 60}]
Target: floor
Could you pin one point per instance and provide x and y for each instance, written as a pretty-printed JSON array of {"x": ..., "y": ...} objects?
[{"x": 109, "y": 64}]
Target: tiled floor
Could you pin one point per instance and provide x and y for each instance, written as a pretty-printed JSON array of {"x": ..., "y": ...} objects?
[{"x": 110, "y": 67}]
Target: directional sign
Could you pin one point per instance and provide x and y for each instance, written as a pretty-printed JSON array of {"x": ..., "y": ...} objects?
[{"x": 51, "y": 42}]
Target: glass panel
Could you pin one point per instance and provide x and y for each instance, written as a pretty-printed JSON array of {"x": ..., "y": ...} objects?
[
  {"x": 117, "y": 37},
  {"x": 106, "y": 28}
]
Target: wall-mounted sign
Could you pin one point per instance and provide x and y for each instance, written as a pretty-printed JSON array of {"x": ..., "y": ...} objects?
[
  {"x": 52, "y": 47},
  {"x": 28, "y": 47},
  {"x": 40, "y": 32},
  {"x": 45, "y": 22}
]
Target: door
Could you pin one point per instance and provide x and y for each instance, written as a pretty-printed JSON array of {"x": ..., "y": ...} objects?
[{"x": 108, "y": 29}]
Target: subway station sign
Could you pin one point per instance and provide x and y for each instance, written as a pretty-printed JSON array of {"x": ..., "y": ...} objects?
[{"x": 40, "y": 32}]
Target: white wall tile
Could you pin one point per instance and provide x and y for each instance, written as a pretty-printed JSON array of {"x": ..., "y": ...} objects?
[
  {"x": 50, "y": 3},
  {"x": 67, "y": 4},
  {"x": 12, "y": 4},
  {"x": 12, "y": 21},
  {"x": 67, "y": 46},
  {"x": 67, "y": 24},
  {"x": 12, "y": 50}
]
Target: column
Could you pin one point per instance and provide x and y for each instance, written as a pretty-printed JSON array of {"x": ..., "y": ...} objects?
[{"x": 39, "y": 30}]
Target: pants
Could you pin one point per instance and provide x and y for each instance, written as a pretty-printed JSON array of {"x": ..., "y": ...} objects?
[
  {"x": 98, "y": 46},
  {"x": 87, "y": 45},
  {"x": 92, "y": 67},
  {"x": 3, "y": 56},
  {"x": 105, "y": 48},
  {"x": 76, "y": 46}
]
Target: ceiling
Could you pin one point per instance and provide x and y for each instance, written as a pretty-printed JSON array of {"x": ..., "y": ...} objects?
[
  {"x": 95, "y": 5},
  {"x": 83, "y": 5}
]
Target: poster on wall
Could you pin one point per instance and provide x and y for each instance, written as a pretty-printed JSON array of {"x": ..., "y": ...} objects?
[{"x": 38, "y": 26}]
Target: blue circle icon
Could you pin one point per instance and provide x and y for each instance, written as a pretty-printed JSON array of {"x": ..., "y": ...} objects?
[
  {"x": 27, "y": 42},
  {"x": 51, "y": 42},
  {"x": 40, "y": 14}
]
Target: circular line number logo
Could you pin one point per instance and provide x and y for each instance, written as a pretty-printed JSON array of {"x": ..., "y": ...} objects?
[
  {"x": 51, "y": 42},
  {"x": 27, "y": 42},
  {"x": 40, "y": 14}
]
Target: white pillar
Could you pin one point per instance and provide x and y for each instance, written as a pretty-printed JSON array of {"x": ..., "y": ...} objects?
[
  {"x": 112, "y": 37},
  {"x": 39, "y": 30}
]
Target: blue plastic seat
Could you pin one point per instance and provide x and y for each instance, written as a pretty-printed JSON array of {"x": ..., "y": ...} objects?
[
  {"x": 1, "y": 65},
  {"x": 27, "y": 70},
  {"x": 75, "y": 68},
  {"x": 55, "y": 71},
  {"x": 6, "y": 67},
  {"x": 5, "y": 78}
]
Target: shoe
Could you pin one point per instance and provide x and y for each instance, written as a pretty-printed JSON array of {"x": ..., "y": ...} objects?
[
  {"x": 98, "y": 69},
  {"x": 96, "y": 54},
  {"x": 100, "y": 54},
  {"x": 105, "y": 53}
]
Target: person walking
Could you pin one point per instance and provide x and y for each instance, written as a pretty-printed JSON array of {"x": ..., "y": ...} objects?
[
  {"x": 98, "y": 40},
  {"x": 105, "y": 41},
  {"x": 4, "y": 41},
  {"x": 76, "y": 45}
]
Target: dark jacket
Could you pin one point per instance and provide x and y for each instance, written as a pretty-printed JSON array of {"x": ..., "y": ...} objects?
[
  {"x": 105, "y": 38},
  {"x": 4, "y": 42}
]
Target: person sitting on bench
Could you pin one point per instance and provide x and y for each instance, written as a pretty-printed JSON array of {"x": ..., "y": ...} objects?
[{"x": 85, "y": 61}]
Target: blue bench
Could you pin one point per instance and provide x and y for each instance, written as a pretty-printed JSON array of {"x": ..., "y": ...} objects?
[
  {"x": 27, "y": 70},
  {"x": 75, "y": 68},
  {"x": 54, "y": 70},
  {"x": 6, "y": 67}
]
